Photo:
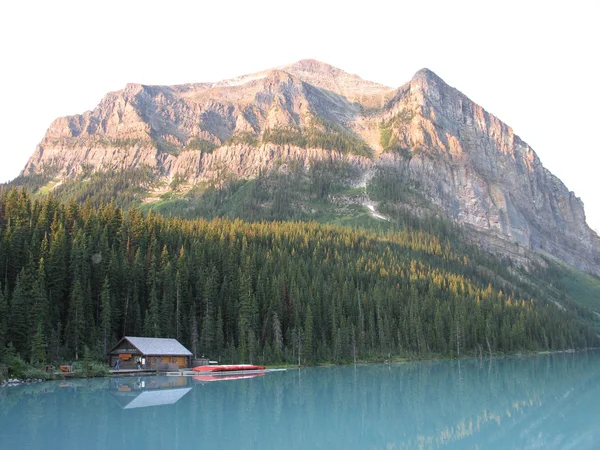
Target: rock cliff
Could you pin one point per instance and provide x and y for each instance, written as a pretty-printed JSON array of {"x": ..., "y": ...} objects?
[{"x": 467, "y": 163}]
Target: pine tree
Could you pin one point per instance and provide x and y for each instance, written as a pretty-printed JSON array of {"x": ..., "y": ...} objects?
[
  {"x": 41, "y": 307},
  {"x": 54, "y": 346},
  {"x": 76, "y": 326},
  {"x": 87, "y": 361},
  {"x": 219, "y": 337},
  {"x": 3, "y": 321},
  {"x": 308, "y": 336},
  {"x": 178, "y": 296},
  {"x": 247, "y": 320},
  {"x": 154, "y": 314},
  {"x": 56, "y": 270},
  {"x": 277, "y": 337},
  {"x": 208, "y": 322},
  {"x": 19, "y": 324},
  {"x": 39, "y": 345},
  {"x": 194, "y": 331},
  {"x": 105, "y": 317}
]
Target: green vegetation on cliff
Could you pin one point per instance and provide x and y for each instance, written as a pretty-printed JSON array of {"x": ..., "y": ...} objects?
[{"x": 324, "y": 135}]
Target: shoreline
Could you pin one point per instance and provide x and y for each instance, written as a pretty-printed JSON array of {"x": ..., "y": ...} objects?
[
  {"x": 12, "y": 382},
  {"x": 433, "y": 358}
]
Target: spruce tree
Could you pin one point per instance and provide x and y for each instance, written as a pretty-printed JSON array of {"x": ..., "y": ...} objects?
[
  {"x": 208, "y": 320},
  {"x": 39, "y": 345},
  {"x": 153, "y": 315},
  {"x": 105, "y": 317},
  {"x": 277, "y": 337},
  {"x": 219, "y": 337},
  {"x": 3, "y": 321},
  {"x": 76, "y": 326},
  {"x": 308, "y": 336},
  {"x": 41, "y": 307},
  {"x": 19, "y": 324}
]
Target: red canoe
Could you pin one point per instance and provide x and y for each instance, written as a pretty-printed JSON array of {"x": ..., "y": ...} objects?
[
  {"x": 227, "y": 368},
  {"x": 226, "y": 377}
]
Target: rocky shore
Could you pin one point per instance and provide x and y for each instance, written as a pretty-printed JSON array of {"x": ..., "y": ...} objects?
[{"x": 16, "y": 382}]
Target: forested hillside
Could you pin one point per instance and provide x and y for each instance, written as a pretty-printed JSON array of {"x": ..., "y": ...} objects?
[{"x": 75, "y": 275}]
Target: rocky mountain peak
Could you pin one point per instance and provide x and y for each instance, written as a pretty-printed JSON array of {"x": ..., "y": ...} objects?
[
  {"x": 430, "y": 83},
  {"x": 466, "y": 163},
  {"x": 133, "y": 88},
  {"x": 312, "y": 66},
  {"x": 335, "y": 80},
  {"x": 425, "y": 74}
]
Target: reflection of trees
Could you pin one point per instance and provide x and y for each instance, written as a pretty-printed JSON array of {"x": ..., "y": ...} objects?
[
  {"x": 428, "y": 404},
  {"x": 417, "y": 405},
  {"x": 502, "y": 403}
]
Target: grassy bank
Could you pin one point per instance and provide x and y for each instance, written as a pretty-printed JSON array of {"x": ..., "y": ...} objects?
[{"x": 16, "y": 368}]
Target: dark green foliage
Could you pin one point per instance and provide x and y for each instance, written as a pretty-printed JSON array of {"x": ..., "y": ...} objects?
[
  {"x": 166, "y": 146},
  {"x": 391, "y": 185},
  {"x": 33, "y": 181},
  {"x": 87, "y": 361},
  {"x": 76, "y": 323},
  {"x": 263, "y": 291},
  {"x": 17, "y": 367},
  {"x": 20, "y": 325},
  {"x": 125, "y": 143},
  {"x": 388, "y": 138},
  {"x": 88, "y": 368},
  {"x": 126, "y": 188},
  {"x": 580, "y": 290},
  {"x": 244, "y": 137},
  {"x": 291, "y": 193},
  {"x": 200, "y": 144},
  {"x": 3, "y": 321},
  {"x": 105, "y": 317},
  {"x": 39, "y": 345}
]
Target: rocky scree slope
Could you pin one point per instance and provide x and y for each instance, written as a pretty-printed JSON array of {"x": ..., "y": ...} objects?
[{"x": 468, "y": 164}]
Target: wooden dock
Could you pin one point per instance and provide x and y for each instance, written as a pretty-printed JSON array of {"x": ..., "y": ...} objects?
[{"x": 134, "y": 372}]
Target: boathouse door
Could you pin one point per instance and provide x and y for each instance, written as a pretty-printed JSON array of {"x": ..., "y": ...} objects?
[{"x": 179, "y": 360}]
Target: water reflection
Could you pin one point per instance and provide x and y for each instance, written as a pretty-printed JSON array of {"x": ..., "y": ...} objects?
[
  {"x": 549, "y": 401},
  {"x": 144, "y": 392}
]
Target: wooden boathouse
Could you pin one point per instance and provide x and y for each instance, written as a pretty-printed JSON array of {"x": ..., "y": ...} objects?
[{"x": 150, "y": 353}]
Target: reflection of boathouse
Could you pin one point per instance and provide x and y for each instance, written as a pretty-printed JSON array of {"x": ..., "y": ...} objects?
[
  {"x": 151, "y": 353},
  {"x": 148, "y": 391}
]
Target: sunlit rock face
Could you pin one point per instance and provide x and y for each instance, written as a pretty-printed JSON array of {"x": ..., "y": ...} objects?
[{"x": 468, "y": 164}]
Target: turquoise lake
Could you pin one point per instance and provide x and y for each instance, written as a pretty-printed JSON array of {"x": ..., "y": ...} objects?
[{"x": 534, "y": 402}]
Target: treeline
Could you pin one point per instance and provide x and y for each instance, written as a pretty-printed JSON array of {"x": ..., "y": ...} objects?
[
  {"x": 126, "y": 187},
  {"x": 324, "y": 135},
  {"x": 289, "y": 194},
  {"x": 75, "y": 276}
]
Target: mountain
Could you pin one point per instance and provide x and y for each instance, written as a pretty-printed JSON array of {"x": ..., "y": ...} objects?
[{"x": 424, "y": 148}]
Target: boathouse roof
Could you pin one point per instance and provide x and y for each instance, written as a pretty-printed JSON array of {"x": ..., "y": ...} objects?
[{"x": 156, "y": 346}]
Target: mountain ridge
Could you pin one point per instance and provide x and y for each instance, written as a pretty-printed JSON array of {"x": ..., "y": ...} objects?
[{"x": 466, "y": 162}]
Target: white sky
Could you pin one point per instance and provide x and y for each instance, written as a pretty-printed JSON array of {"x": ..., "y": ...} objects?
[{"x": 533, "y": 64}]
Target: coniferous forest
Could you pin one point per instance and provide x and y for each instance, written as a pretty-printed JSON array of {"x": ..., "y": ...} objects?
[{"x": 76, "y": 275}]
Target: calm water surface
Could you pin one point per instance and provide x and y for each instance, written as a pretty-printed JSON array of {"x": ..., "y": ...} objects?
[{"x": 541, "y": 402}]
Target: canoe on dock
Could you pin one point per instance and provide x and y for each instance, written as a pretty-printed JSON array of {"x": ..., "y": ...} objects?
[
  {"x": 227, "y": 368},
  {"x": 230, "y": 373},
  {"x": 222, "y": 377}
]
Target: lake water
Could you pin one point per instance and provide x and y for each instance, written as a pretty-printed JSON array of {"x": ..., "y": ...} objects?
[{"x": 538, "y": 402}]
